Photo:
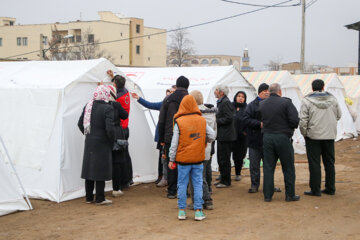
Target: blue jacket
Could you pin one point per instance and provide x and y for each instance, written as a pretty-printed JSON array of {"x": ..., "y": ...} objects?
[{"x": 152, "y": 106}]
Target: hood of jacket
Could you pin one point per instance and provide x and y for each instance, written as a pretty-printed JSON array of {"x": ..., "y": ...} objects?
[
  {"x": 177, "y": 95},
  {"x": 120, "y": 92},
  {"x": 321, "y": 100},
  {"x": 187, "y": 106},
  {"x": 242, "y": 92}
]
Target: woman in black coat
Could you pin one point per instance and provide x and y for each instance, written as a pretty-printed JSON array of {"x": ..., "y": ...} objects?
[
  {"x": 119, "y": 164},
  {"x": 239, "y": 146},
  {"x": 97, "y": 123}
]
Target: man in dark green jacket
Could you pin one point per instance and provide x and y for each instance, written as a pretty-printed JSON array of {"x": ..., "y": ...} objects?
[{"x": 279, "y": 118}]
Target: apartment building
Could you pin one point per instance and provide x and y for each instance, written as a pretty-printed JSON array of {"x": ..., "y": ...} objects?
[{"x": 119, "y": 37}]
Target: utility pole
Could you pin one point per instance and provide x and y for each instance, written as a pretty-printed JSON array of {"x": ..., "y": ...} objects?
[{"x": 302, "y": 57}]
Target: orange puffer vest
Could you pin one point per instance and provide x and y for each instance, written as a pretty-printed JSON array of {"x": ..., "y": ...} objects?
[{"x": 192, "y": 128}]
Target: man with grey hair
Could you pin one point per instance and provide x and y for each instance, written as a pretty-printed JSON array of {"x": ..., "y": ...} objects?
[
  {"x": 225, "y": 134},
  {"x": 279, "y": 118}
]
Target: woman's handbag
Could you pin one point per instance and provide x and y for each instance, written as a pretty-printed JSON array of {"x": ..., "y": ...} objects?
[{"x": 121, "y": 144}]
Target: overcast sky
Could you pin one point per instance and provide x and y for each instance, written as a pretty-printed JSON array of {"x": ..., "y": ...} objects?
[{"x": 273, "y": 33}]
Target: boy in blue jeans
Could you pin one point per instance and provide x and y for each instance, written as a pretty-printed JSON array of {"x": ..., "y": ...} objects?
[{"x": 188, "y": 150}]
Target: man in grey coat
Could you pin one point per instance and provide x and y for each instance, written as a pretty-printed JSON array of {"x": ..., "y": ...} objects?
[{"x": 319, "y": 114}]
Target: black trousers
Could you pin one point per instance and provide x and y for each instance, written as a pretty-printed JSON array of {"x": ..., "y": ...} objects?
[
  {"x": 160, "y": 165},
  {"x": 278, "y": 146},
  {"x": 208, "y": 173},
  {"x": 119, "y": 170},
  {"x": 223, "y": 156},
  {"x": 325, "y": 149},
  {"x": 239, "y": 149},
  {"x": 129, "y": 170},
  {"x": 255, "y": 156},
  {"x": 100, "y": 190},
  {"x": 172, "y": 174}
]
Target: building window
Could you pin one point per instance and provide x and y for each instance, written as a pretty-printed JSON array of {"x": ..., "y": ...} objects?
[
  {"x": 45, "y": 40},
  {"x": 215, "y": 61},
  {"x": 91, "y": 38},
  {"x": 148, "y": 58},
  {"x": 0, "y": 42},
  {"x": 137, "y": 28},
  {"x": 194, "y": 61},
  {"x": 137, "y": 49},
  {"x": 78, "y": 38},
  {"x": 25, "y": 41},
  {"x": 148, "y": 37},
  {"x": 121, "y": 34},
  {"x": 121, "y": 57},
  {"x": 72, "y": 39},
  {"x": 18, "y": 41},
  {"x": 11, "y": 23},
  {"x": 204, "y": 61}
]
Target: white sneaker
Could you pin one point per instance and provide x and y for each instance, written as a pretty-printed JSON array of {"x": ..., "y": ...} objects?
[
  {"x": 162, "y": 183},
  {"x": 117, "y": 193},
  {"x": 105, "y": 202}
]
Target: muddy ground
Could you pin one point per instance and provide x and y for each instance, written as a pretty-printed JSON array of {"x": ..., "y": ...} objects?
[{"x": 144, "y": 212}]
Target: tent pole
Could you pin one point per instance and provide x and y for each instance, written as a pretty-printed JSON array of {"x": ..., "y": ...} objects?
[{"x": 17, "y": 176}]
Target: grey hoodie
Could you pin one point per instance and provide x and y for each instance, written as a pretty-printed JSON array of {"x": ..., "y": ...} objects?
[{"x": 319, "y": 114}]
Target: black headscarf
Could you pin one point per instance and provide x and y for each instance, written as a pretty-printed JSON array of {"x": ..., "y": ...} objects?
[{"x": 239, "y": 105}]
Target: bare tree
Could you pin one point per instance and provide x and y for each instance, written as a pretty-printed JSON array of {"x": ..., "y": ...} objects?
[
  {"x": 81, "y": 47},
  {"x": 180, "y": 49},
  {"x": 274, "y": 64}
]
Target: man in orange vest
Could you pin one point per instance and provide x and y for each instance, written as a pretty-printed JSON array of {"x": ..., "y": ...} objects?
[{"x": 188, "y": 150}]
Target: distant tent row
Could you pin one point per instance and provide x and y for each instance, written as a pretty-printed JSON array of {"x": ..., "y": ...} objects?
[
  {"x": 289, "y": 89},
  {"x": 346, "y": 127},
  {"x": 352, "y": 88}
]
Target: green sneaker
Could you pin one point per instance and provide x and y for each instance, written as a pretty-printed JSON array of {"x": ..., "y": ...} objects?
[
  {"x": 199, "y": 215},
  {"x": 182, "y": 215}
]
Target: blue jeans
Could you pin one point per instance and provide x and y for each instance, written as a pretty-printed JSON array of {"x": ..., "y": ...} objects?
[{"x": 196, "y": 173}]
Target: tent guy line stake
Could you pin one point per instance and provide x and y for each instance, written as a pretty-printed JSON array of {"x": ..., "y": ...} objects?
[{"x": 17, "y": 176}]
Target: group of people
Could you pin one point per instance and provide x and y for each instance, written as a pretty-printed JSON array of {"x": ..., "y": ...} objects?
[{"x": 185, "y": 135}]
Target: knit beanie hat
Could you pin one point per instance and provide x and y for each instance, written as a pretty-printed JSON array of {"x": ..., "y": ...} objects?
[
  {"x": 263, "y": 87},
  {"x": 182, "y": 82}
]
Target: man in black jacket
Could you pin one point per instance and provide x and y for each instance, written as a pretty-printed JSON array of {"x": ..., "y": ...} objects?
[
  {"x": 168, "y": 109},
  {"x": 225, "y": 134},
  {"x": 252, "y": 122},
  {"x": 279, "y": 119}
]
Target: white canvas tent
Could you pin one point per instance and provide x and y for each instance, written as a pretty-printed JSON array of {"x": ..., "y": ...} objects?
[
  {"x": 43, "y": 102},
  {"x": 11, "y": 198},
  {"x": 352, "y": 89},
  {"x": 346, "y": 127},
  {"x": 155, "y": 81},
  {"x": 289, "y": 89}
]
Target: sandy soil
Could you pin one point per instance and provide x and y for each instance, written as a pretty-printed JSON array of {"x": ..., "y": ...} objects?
[{"x": 145, "y": 213}]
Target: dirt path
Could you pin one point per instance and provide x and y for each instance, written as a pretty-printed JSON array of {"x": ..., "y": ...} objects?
[{"x": 145, "y": 213}]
